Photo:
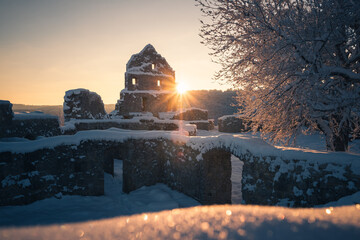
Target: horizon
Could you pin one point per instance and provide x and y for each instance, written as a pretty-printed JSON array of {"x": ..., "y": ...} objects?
[{"x": 51, "y": 47}]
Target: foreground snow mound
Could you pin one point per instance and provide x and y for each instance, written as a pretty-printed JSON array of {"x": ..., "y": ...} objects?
[{"x": 210, "y": 222}]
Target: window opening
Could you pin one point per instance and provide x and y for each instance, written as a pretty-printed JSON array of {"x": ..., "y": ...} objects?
[
  {"x": 158, "y": 83},
  {"x": 153, "y": 66},
  {"x": 133, "y": 81},
  {"x": 144, "y": 104}
]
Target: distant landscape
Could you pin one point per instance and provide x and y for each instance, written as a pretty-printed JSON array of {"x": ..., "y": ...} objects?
[{"x": 218, "y": 103}]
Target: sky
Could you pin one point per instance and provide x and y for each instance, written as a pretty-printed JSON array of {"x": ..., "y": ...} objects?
[{"x": 48, "y": 47}]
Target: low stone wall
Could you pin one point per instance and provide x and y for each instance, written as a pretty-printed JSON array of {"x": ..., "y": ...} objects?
[
  {"x": 233, "y": 124},
  {"x": 191, "y": 114},
  {"x": 204, "y": 125},
  {"x": 142, "y": 124},
  {"x": 270, "y": 180},
  {"x": 32, "y": 176},
  {"x": 31, "y": 128},
  {"x": 26, "y": 125}
]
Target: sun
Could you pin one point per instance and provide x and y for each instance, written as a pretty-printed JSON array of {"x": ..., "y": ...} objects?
[{"x": 181, "y": 88}]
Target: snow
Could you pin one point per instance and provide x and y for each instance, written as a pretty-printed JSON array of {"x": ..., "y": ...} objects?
[
  {"x": 166, "y": 115},
  {"x": 74, "y": 92},
  {"x": 187, "y": 128},
  {"x": 146, "y": 63},
  {"x": 208, "y": 222}
]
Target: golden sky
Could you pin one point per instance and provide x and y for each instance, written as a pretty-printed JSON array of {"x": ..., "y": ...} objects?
[{"x": 50, "y": 46}]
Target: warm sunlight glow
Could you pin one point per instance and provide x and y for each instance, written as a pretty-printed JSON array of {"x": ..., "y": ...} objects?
[{"x": 181, "y": 88}]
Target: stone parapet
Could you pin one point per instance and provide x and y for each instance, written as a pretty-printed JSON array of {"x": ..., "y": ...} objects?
[{"x": 233, "y": 124}]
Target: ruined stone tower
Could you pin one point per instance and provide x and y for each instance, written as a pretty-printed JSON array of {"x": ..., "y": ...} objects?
[{"x": 149, "y": 84}]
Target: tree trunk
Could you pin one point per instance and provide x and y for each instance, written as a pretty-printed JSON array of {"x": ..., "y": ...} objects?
[
  {"x": 338, "y": 143},
  {"x": 338, "y": 140}
]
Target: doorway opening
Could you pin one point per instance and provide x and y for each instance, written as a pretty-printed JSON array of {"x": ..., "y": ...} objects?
[{"x": 236, "y": 178}]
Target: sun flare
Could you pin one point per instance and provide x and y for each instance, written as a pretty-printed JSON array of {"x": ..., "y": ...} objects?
[{"x": 181, "y": 88}]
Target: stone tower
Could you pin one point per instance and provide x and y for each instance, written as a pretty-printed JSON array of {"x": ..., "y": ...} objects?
[{"x": 149, "y": 84}]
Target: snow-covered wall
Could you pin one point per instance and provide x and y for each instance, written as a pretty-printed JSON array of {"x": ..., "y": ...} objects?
[
  {"x": 26, "y": 125},
  {"x": 191, "y": 114},
  {"x": 83, "y": 104},
  {"x": 197, "y": 166},
  {"x": 48, "y": 172},
  {"x": 136, "y": 123},
  {"x": 174, "y": 163},
  {"x": 6, "y": 113},
  {"x": 233, "y": 124}
]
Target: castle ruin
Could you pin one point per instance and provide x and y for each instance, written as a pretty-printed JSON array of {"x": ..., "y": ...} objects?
[{"x": 149, "y": 85}]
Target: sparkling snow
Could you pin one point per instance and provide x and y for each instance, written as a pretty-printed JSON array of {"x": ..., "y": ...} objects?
[{"x": 209, "y": 222}]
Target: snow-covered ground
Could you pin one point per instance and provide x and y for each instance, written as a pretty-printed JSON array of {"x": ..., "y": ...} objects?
[{"x": 209, "y": 222}]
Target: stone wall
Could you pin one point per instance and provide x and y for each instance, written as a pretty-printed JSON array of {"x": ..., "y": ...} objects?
[
  {"x": 204, "y": 125},
  {"x": 26, "y": 125},
  {"x": 267, "y": 180},
  {"x": 198, "y": 167},
  {"x": 162, "y": 161},
  {"x": 6, "y": 113},
  {"x": 142, "y": 124},
  {"x": 83, "y": 104},
  {"x": 233, "y": 124},
  {"x": 270, "y": 180},
  {"x": 145, "y": 101},
  {"x": 79, "y": 170},
  {"x": 31, "y": 128},
  {"x": 44, "y": 173},
  {"x": 192, "y": 114}
]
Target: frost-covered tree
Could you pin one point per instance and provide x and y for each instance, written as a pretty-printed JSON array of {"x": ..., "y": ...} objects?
[{"x": 296, "y": 61}]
